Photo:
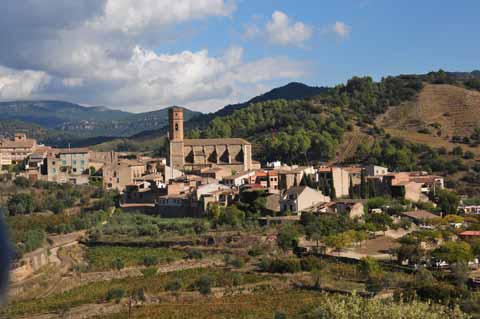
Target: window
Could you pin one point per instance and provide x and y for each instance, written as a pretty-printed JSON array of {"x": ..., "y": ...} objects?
[
  {"x": 64, "y": 162},
  {"x": 74, "y": 162},
  {"x": 176, "y": 126}
]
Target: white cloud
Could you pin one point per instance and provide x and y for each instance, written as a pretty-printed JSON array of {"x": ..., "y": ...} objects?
[
  {"x": 281, "y": 30},
  {"x": 21, "y": 84},
  {"x": 341, "y": 29},
  {"x": 134, "y": 16},
  {"x": 72, "y": 82},
  {"x": 196, "y": 79},
  {"x": 105, "y": 55}
]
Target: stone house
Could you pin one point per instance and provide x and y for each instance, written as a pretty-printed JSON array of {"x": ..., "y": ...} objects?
[
  {"x": 300, "y": 198},
  {"x": 118, "y": 175}
]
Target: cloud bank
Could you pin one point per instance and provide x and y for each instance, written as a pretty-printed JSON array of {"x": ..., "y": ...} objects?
[{"x": 108, "y": 52}]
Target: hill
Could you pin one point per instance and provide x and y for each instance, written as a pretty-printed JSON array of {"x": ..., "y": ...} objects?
[
  {"x": 440, "y": 116},
  {"x": 84, "y": 121},
  {"x": 52, "y": 114},
  {"x": 291, "y": 91}
]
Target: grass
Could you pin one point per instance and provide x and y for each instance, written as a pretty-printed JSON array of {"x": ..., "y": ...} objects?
[
  {"x": 96, "y": 292},
  {"x": 101, "y": 257}
]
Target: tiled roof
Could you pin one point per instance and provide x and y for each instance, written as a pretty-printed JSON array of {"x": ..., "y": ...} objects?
[
  {"x": 7, "y": 143},
  {"x": 215, "y": 141},
  {"x": 470, "y": 233}
]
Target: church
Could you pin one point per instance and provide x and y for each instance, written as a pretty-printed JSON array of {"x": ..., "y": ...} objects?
[{"x": 190, "y": 155}]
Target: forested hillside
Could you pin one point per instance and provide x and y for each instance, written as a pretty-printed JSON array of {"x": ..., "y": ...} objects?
[{"x": 311, "y": 129}]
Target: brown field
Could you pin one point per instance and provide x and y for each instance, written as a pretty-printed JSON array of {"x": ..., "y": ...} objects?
[{"x": 443, "y": 110}]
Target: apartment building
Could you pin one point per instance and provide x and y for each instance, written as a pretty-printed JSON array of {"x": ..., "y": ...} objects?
[
  {"x": 15, "y": 150},
  {"x": 68, "y": 166}
]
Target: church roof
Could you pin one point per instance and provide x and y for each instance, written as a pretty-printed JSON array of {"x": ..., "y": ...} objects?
[{"x": 215, "y": 141}]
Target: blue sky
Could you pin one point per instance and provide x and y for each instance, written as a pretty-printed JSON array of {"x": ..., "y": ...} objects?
[{"x": 141, "y": 55}]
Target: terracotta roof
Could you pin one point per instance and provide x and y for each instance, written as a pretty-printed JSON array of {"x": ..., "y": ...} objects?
[
  {"x": 215, "y": 141},
  {"x": 470, "y": 233}
]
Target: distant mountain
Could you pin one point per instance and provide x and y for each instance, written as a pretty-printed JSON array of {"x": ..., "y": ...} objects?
[
  {"x": 291, "y": 91},
  {"x": 84, "y": 121},
  {"x": 53, "y": 114}
]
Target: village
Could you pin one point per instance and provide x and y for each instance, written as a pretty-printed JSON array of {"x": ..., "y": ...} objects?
[
  {"x": 212, "y": 203},
  {"x": 202, "y": 175}
]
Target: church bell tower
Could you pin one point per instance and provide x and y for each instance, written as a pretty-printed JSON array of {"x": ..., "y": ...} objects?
[{"x": 175, "y": 137}]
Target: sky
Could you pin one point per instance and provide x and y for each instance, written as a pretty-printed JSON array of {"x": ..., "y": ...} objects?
[{"x": 143, "y": 55}]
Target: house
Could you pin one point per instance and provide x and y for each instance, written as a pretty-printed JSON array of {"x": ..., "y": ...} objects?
[
  {"x": 239, "y": 179},
  {"x": 300, "y": 198},
  {"x": 336, "y": 177},
  {"x": 375, "y": 170},
  {"x": 353, "y": 208},
  {"x": 222, "y": 197},
  {"x": 469, "y": 209},
  {"x": 118, "y": 175},
  {"x": 289, "y": 178},
  {"x": 15, "y": 150},
  {"x": 181, "y": 205},
  {"x": 68, "y": 166},
  {"x": 268, "y": 179}
]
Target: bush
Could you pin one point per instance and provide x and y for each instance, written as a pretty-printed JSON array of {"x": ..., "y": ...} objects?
[
  {"x": 194, "y": 254},
  {"x": 174, "y": 286},
  {"x": 237, "y": 262},
  {"x": 204, "y": 285},
  {"x": 115, "y": 294},
  {"x": 280, "y": 265},
  {"x": 22, "y": 182},
  {"x": 20, "y": 204},
  {"x": 256, "y": 251},
  {"x": 310, "y": 263},
  {"x": 118, "y": 264},
  {"x": 468, "y": 155},
  {"x": 150, "y": 261}
]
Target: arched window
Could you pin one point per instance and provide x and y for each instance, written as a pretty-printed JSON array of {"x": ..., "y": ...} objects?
[{"x": 176, "y": 126}]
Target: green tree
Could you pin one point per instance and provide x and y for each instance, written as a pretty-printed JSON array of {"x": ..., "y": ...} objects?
[
  {"x": 447, "y": 201},
  {"x": 204, "y": 284},
  {"x": 287, "y": 237},
  {"x": 21, "y": 203},
  {"x": 454, "y": 252}
]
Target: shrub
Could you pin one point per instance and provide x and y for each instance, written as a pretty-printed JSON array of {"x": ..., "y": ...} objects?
[
  {"x": 118, "y": 264},
  {"x": 237, "y": 262},
  {"x": 150, "y": 261},
  {"x": 280, "y": 265},
  {"x": 204, "y": 284},
  {"x": 310, "y": 263},
  {"x": 194, "y": 254},
  {"x": 22, "y": 182},
  {"x": 237, "y": 279},
  {"x": 20, "y": 204},
  {"x": 115, "y": 294},
  {"x": 174, "y": 286},
  {"x": 256, "y": 251}
]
